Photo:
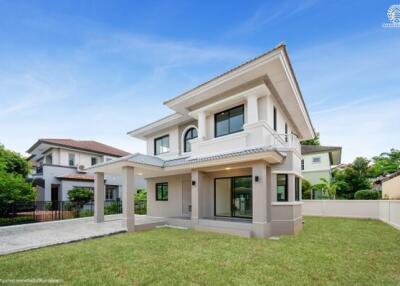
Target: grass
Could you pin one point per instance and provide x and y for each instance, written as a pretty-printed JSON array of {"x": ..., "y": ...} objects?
[{"x": 329, "y": 251}]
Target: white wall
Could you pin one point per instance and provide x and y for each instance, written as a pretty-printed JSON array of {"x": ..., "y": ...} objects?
[{"x": 384, "y": 210}]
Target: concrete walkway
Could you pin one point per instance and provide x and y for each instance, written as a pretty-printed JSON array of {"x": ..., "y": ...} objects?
[{"x": 28, "y": 236}]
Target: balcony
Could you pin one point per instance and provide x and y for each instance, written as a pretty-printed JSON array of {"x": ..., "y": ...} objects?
[{"x": 253, "y": 135}]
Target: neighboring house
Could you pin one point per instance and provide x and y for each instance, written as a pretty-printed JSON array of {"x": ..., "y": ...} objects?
[
  {"x": 228, "y": 159},
  {"x": 389, "y": 185},
  {"x": 59, "y": 166},
  {"x": 318, "y": 162}
]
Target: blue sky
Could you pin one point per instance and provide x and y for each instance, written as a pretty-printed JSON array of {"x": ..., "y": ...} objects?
[{"x": 97, "y": 69}]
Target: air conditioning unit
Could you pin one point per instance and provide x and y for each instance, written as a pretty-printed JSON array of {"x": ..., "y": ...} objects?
[{"x": 80, "y": 169}]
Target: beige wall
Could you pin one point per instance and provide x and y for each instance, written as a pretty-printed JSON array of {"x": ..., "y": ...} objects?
[
  {"x": 391, "y": 188},
  {"x": 385, "y": 210},
  {"x": 172, "y": 207}
]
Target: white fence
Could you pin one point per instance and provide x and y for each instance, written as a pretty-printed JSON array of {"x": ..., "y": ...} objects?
[{"x": 385, "y": 210}]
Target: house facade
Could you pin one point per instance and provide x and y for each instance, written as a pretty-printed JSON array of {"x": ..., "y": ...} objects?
[
  {"x": 59, "y": 166},
  {"x": 318, "y": 162},
  {"x": 228, "y": 159},
  {"x": 389, "y": 185}
]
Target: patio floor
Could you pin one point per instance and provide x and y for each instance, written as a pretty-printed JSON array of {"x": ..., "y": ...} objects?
[{"x": 28, "y": 236}]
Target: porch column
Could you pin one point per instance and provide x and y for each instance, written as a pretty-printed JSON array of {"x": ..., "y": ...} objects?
[
  {"x": 197, "y": 186},
  {"x": 202, "y": 125},
  {"x": 128, "y": 208},
  {"x": 252, "y": 107},
  {"x": 291, "y": 187},
  {"x": 99, "y": 197},
  {"x": 260, "y": 212}
]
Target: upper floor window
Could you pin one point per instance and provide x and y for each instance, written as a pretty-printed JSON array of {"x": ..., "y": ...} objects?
[
  {"x": 94, "y": 161},
  {"x": 275, "y": 120},
  {"x": 49, "y": 159},
  {"x": 161, "y": 145},
  {"x": 286, "y": 132},
  {"x": 229, "y": 121},
  {"x": 282, "y": 188},
  {"x": 71, "y": 159},
  {"x": 189, "y": 135},
  {"x": 316, "y": 160},
  {"x": 302, "y": 164}
]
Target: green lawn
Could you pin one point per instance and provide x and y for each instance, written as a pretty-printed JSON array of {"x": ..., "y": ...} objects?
[{"x": 329, "y": 251}]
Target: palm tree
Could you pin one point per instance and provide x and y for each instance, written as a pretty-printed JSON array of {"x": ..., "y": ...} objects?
[{"x": 330, "y": 187}]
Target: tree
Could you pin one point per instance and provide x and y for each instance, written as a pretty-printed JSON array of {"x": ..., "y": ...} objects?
[
  {"x": 306, "y": 189},
  {"x": 12, "y": 162},
  {"x": 13, "y": 171},
  {"x": 385, "y": 163},
  {"x": 329, "y": 187},
  {"x": 80, "y": 196},
  {"x": 314, "y": 141}
]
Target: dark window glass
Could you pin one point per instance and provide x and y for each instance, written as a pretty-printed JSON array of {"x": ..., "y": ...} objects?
[
  {"x": 229, "y": 121},
  {"x": 297, "y": 189},
  {"x": 94, "y": 161},
  {"x": 71, "y": 159},
  {"x": 189, "y": 135},
  {"x": 286, "y": 132},
  {"x": 275, "y": 121},
  {"x": 161, "y": 145},
  {"x": 161, "y": 191},
  {"x": 282, "y": 188},
  {"x": 302, "y": 164}
]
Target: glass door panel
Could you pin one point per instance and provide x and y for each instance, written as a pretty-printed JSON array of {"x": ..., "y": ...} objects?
[
  {"x": 242, "y": 197},
  {"x": 223, "y": 200}
]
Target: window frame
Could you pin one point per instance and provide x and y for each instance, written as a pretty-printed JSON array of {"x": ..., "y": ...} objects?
[
  {"x": 286, "y": 187},
  {"x": 229, "y": 127},
  {"x": 162, "y": 198},
  {"x": 155, "y": 144},
  {"x": 69, "y": 159},
  {"x": 318, "y": 161},
  {"x": 91, "y": 161},
  {"x": 185, "y": 140},
  {"x": 297, "y": 189}
]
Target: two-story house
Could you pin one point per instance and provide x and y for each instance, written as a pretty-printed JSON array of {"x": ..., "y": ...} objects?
[
  {"x": 228, "y": 159},
  {"x": 59, "y": 166},
  {"x": 318, "y": 162}
]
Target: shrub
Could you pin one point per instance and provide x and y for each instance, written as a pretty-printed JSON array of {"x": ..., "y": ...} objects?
[
  {"x": 306, "y": 189},
  {"x": 367, "y": 195},
  {"x": 80, "y": 196},
  {"x": 15, "y": 188}
]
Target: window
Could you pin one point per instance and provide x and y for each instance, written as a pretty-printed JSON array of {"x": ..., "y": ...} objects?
[
  {"x": 297, "y": 189},
  {"x": 302, "y": 164},
  {"x": 111, "y": 192},
  {"x": 49, "y": 159},
  {"x": 71, "y": 159},
  {"x": 316, "y": 160},
  {"x": 161, "y": 191},
  {"x": 189, "y": 135},
  {"x": 286, "y": 132},
  {"x": 161, "y": 145},
  {"x": 229, "y": 121},
  {"x": 275, "y": 121},
  {"x": 94, "y": 161},
  {"x": 282, "y": 188}
]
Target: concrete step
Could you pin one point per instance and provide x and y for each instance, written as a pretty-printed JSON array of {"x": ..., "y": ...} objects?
[{"x": 224, "y": 230}]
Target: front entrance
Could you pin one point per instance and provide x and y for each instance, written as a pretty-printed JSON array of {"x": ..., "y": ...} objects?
[{"x": 233, "y": 197}]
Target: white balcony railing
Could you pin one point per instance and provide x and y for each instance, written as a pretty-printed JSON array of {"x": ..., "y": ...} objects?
[{"x": 287, "y": 140}]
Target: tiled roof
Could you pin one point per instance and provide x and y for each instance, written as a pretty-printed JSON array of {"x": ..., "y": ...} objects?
[
  {"x": 309, "y": 149},
  {"x": 78, "y": 177},
  {"x": 86, "y": 145},
  {"x": 388, "y": 177},
  {"x": 158, "y": 162}
]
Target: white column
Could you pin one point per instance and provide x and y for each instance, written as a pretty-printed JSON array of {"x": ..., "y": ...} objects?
[
  {"x": 99, "y": 191},
  {"x": 252, "y": 108},
  {"x": 260, "y": 212},
  {"x": 202, "y": 125},
  {"x": 128, "y": 207},
  {"x": 198, "y": 184},
  {"x": 291, "y": 187}
]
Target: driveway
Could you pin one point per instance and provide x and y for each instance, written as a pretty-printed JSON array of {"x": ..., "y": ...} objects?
[{"x": 28, "y": 236}]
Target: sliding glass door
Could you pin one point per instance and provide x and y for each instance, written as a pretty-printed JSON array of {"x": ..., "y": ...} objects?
[{"x": 233, "y": 197}]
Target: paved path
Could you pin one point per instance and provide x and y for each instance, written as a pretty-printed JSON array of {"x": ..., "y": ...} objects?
[{"x": 28, "y": 236}]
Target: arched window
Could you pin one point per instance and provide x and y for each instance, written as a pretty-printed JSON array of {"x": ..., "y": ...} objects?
[{"x": 189, "y": 135}]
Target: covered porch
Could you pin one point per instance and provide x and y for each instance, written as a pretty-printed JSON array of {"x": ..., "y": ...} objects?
[{"x": 228, "y": 194}]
